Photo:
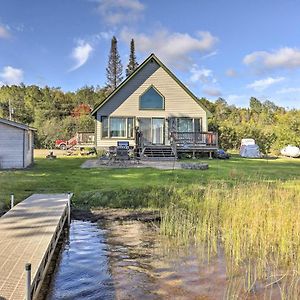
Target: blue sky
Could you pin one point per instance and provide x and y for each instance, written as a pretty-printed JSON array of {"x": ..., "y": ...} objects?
[{"x": 233, "y": 49}]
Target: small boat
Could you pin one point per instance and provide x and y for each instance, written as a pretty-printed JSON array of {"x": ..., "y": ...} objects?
[{"x": 291, "y": 151}]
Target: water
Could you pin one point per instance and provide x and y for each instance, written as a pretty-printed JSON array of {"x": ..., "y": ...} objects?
[
  {"x": 130, "y": 260},
  {"x": 82, "y": 271}
]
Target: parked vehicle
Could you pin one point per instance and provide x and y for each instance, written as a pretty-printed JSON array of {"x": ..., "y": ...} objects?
[
  {"x": 81, "y": 139},
  {"x": 291, "y": 151}
]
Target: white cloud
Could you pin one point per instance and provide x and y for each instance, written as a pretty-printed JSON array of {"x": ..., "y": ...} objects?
[
  {"x": 211, "y": 54},
  {"x": 211, "y": 91},
  {"x": 103, "y": 35},
  {"x": 81, "y": 54},
  {"x": 284, "y": 58},
  {"x": 231, "y": 73},
  {"x": 10, "y": 75},
  {"x": 201, "y": 74},
  {"x": 173, "y": 48},
  {"x": 288, "y": 91},
  {"x": 4, "y": 33},
  {"x": 260, "y": 85},
  {"x": 120, "y": 11},
  {"x": 240, "y": 100}
]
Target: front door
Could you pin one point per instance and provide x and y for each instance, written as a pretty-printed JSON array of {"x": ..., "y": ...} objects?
[
  {"x": 153, "y": 130},
  {"x": 158, "y": 131}
]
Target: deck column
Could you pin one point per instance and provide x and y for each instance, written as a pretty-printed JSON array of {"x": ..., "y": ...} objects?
[{"x": 194, "y": 154}]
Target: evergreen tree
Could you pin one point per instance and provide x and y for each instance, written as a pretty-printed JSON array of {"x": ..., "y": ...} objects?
[
  {"x": 114, "y": 69},
  {"x": 132, "y": 65}
]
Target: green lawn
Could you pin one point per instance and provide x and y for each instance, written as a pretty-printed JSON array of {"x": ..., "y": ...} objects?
[{"x": 65, "y": 174}]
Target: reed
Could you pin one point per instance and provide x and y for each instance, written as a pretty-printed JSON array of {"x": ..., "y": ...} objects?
[{"x": 257, "y": 226}]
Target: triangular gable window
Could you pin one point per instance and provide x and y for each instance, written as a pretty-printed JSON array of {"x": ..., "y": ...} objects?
[{"x": 152, "y": 100}]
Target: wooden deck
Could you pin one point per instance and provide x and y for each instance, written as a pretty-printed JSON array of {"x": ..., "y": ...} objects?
[{"x": 28, "y": 234}]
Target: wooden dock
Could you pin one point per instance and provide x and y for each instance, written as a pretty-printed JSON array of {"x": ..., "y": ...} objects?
[{"x": 28, "y": 234}]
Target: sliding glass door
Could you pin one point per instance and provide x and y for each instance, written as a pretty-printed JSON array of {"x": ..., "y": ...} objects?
[
  {"x": 145, "y": 128},
  {"x": 153, "y": 130},
  {"x": 158, "y": 131}
]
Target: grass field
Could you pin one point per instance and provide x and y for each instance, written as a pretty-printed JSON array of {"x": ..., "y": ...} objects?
[
  {"x": 247, "y": 208},
  {"x": 64, "y": 174}
]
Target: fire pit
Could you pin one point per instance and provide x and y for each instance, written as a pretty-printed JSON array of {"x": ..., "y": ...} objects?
[{"x": 194, "y": 166}]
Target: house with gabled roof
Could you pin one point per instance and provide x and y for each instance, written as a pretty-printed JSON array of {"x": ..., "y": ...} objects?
[
  {"x": 16, "y": 145},
  {"x": 156, "y": 113}
]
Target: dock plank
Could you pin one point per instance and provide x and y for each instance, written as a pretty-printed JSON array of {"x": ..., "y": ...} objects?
[{"x": 26, "y": 232}]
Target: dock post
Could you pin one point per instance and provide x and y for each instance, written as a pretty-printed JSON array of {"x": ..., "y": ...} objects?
[
  {"x": 28, "y": 281},
  {"x": 12, "y": 200},
  {"x": 69, "y": 208}
]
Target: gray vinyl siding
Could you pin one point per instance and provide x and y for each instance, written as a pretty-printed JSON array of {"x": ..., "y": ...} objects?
[
  {"x": 15, "y": 152},
  {"x": 125, "y": 103}
]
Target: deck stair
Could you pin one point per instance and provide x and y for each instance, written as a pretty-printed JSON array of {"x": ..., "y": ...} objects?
[{"x": 158, "y": 153}]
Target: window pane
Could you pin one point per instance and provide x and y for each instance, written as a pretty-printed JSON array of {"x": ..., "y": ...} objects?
[
  {"x": 158, "y": 130},
  {"x": 184, "y": 125},
  {"x": 130, "y": 127},
  {"x": 198, "y": 125},
  {"x": 104, "y": 127},
  {"x": 145, "y": 128},
  {"x": 117, "y": 127},
  {"x": 151, "y": 99}
]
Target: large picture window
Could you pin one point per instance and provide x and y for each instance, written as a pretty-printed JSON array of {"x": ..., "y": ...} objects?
[
  {"x": 198, "y": 125},
  {"x": 130, "y": 127},
  {"x": 104, "y": 121},
  {"x": 152, "y": 100},
  {"x": 185, "y": 124},
  {"x": 117, "y": 127}
]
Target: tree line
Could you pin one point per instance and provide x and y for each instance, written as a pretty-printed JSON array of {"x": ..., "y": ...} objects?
[
  {"x": 58, "y": 115},
  {"x": 273, "y": 127}
]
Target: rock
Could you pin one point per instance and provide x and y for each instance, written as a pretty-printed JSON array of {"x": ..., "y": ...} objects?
[{"x": 194, "y": 166}]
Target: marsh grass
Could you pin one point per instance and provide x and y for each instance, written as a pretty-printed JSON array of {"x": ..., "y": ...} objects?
[{"x": 257, "y": 226}]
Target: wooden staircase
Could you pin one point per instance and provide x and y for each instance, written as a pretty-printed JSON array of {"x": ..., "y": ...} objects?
[{"x": 158, "y": 153}]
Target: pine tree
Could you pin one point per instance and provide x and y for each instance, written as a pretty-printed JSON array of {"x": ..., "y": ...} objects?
[
  {"x": 132, "y": 65},
  {"x": 114, "y": 69}
]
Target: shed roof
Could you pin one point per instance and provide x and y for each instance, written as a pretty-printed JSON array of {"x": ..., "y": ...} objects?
[
  {"x": 147, "y": 60},
  {"x": 16, "y": 124}
]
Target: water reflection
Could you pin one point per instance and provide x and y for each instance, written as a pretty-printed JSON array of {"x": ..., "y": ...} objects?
[
  {"x": 145, "y": 267},
  {"x": 130, "y": 260},
  {"x": 83, "y": 270}
]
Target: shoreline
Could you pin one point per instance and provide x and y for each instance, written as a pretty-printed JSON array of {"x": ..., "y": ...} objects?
[{"x": 115, "y": 214}]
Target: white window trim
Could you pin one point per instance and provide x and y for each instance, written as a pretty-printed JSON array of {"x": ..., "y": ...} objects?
[{"x": 126, "y": 128}]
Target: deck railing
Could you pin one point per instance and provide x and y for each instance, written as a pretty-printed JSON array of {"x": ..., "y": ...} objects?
[{"x": 208, "y": 139}]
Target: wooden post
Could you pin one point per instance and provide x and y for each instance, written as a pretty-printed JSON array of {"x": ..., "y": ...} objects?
[
  {"x": 28, "y": 281},
  {"x": 12, "y": 200},
  {"x": 69, "y": 208}
]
